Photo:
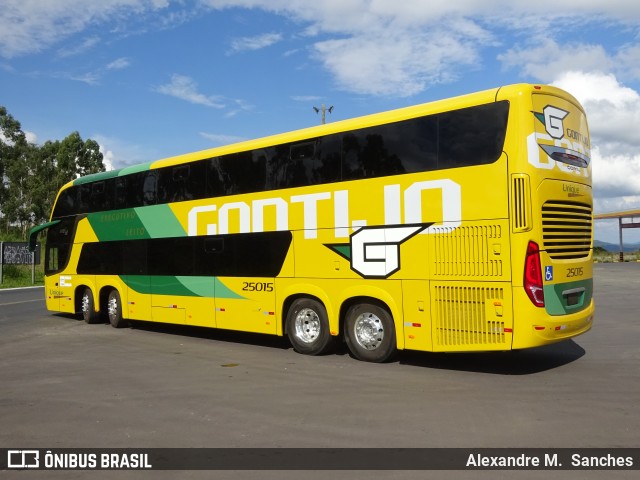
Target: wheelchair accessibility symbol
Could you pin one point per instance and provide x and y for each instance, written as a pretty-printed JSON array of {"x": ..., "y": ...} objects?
[{"x": 548, "y": 274}]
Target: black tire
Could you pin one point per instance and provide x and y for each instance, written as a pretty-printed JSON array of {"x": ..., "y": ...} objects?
[
  {"x": 370, "y": 333},
  {"x": 88, "y": 307},
  {"x": 308, "y": 327},
  {"x": 114, "y": 310}
]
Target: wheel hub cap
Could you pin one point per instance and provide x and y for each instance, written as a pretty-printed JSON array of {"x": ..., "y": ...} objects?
[
  {"x": 112, "y": 307},
  {"x": 307, "y": 325},
  {"x": 369, "y": 331}
]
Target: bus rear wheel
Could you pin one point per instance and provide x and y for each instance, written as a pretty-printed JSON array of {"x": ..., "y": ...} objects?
[
  {"x": 87, "y": 307},
  {"x": 308, "y": 327},
  {"x": 370, "y": 333},
  {"x": 114, "y": 310}
]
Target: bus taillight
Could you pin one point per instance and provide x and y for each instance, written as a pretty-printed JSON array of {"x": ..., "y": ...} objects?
[{"x": 533, "y": 275}]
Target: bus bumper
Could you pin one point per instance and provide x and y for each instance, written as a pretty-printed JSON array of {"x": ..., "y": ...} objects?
[{"x": 540, "y": 329}]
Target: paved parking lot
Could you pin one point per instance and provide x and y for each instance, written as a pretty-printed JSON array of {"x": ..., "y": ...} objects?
[{"x": 68, "y": 384}]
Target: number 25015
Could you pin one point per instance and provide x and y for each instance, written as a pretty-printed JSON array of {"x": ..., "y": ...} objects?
[
  {"x": 257, "y": 286},
  {"x": 575, "y": 272}
]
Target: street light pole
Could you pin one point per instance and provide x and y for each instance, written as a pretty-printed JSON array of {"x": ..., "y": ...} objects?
[{"x": 324, "y": 110}]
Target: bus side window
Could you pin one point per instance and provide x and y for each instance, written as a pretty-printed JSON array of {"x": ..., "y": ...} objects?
[
  {"x": 301, "y": 164},
  {"x": 213, "y": 187},
  {"x": 328, "y": 153},
  {"x": 414, "y": 144},
  {"x": 120, "y": 192},
  {"x": 67, "y": 203},
  {"x": 277, "y": 158},
  {"x": 52, "y": 258},
  {"x": 59, "y": 243},
  {"x": 370, "y": 152},
  {"x": 239, "y": 173},
  {"x": 100, "y": 198},
  {"x": 84, "y": 199},
  {"x": 351, "y": 167},
  {"x": 133, "y": 193},
  {"x": 472, "y": 136},
  {"x": 150, "y": 188},
  {"x": 184, "y": 182}
]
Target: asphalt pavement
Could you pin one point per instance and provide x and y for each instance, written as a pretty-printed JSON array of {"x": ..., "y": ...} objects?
[{"x": 68, "y": 384}]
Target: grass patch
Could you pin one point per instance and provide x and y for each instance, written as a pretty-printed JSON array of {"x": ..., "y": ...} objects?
[
  {"x": 14, "y": 276},
  {"x": 614, "y": 257}
]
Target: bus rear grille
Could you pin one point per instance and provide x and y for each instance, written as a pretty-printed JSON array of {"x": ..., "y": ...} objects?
[
  {"x": 567, "y": 229},
  {"x": 461, "y": 318}
]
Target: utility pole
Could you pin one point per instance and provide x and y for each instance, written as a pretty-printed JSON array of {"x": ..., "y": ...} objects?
[{"x": 324, "y": 110}]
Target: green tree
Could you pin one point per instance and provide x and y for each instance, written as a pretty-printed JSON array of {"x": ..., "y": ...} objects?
[
  {"x": 77, "y": 158},
  {"x": 31, "y": 175},
  {"x": 13, "y": 146},
  {"x": 42, "y": 184}
]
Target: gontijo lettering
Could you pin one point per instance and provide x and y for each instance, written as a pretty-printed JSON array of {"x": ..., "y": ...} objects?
[{"x": 251, "y": 215}]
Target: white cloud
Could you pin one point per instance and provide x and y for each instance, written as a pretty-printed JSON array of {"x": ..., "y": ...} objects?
[
  {"x": 611, "y": 109},
  {"x": 410, "y": 44},
  {"x": 385, "y": 47},
  {"x": 118, "y": 153},
  {"x": 255, "y": 43},
  {"x": 305, "y": 98},
  {"x": 401, "y": 65},
  {"x": 185, "y": 88},
  {"x": 31, "y": 137},
  {"x": 77, "y": 49},
  {"x": 28, "y": 26},
  {"x": 119, "y": 64},
  {"x": 222, "y": 139},
  {"x": 615, "y": 176},
  {"x": 238, "y": 106},
  {"x": 90, "y": 78},
  {"x": 108, "y": 158},
  {"x": 548, "y": 60},
  {"x": 628, "y": 61}
]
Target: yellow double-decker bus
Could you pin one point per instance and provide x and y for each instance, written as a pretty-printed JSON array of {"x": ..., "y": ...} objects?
[{"x": 459, "y": 225}]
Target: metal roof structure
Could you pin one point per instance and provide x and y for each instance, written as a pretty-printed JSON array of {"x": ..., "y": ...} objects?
[
  {"x": 632, "y": 215},
  {"x": 626, "y": 214}
]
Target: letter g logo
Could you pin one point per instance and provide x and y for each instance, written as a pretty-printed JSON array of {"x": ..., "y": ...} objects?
[
  {"x": 375, "y": 251},
  {"x": 553, "y": 118}
]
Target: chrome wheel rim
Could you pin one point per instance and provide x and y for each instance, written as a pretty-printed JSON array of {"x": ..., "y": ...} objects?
[
  {"x": 85, "y": 304},
  {"x": 307, "y": 324},
  {"x": 369, "y": 331},
  {"x": 112, "y": 308}
]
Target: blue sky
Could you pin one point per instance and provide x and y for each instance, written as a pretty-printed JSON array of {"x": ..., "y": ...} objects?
[{"x": 150, "y": 79}]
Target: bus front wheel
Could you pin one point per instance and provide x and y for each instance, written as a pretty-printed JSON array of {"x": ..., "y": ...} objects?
[
  {"x": 114, "y": 310},
  {"x": 370, "y": 333},
  {"x": 308, "y": 327}
]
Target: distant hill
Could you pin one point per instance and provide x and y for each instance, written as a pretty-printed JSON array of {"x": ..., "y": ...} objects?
[{"x": 613, "y": 247}]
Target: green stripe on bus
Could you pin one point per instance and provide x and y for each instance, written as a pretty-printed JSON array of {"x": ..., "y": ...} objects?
[
  {"x": 135, "y": 169},
  {"x": 136, "y": 223},
  {"x": 555, "y": 301},
  {"x": 160, "y": 221},
  {"x": 96, "y": 177},
  {"x": 118, "y": 225},
  {"x": 100, "y": 176},
  {"x": 207, "y": 287}
]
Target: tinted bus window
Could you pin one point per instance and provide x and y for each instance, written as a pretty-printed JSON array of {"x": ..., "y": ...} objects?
[
  {"x": 472, "y": 136},
  {"x": 459, "y": 138},
  {"x": 59, "y": 243}
]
